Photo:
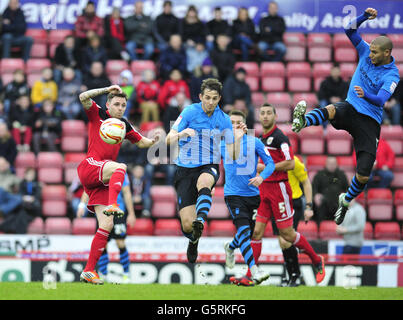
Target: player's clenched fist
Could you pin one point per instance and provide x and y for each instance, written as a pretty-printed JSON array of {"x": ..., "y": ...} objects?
[{"x": 373, "y": 13}]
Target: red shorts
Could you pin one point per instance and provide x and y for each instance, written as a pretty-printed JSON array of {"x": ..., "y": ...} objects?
[
  {"x": 90, "y": 174},
  {"x": 276, "y": 201}
]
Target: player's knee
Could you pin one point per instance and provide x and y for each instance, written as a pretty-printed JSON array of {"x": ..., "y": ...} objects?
[
  {"x": 258, "y": 233},
  {"x": 361, "y": 178},
  {"x": 288, "y": 234},
  {"x": 122, "y": 166},
  {"x": 106, "y": 224},
  {"x": 283, "y": 243},
  {"x": 331, "y": 109}
]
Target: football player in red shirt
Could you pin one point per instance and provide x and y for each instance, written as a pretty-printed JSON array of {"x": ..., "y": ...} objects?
[{"x": 101, "y": 176}]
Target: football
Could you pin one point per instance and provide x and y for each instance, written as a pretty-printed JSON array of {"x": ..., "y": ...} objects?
[{"x": 112, "y": 131}]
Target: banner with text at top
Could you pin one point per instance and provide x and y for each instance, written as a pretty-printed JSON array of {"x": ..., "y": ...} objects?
[{"x": 300, "y": 16}]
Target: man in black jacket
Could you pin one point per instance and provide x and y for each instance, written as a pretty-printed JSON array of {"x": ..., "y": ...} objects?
[
  {"x": 215, "y": 27},
  {"x": 271, "y": 33},
  {"x": 222, "y": 57},
  {"x": 166, "y": 24}
]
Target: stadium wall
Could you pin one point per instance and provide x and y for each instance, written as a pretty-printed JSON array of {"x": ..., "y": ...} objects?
[{"x": 300, "y": 16}]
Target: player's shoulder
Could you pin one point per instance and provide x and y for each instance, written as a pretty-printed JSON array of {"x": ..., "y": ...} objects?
[{"x": 279, "y": 136}]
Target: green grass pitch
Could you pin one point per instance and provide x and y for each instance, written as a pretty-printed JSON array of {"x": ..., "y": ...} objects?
[{"x": 83, "y": 291}]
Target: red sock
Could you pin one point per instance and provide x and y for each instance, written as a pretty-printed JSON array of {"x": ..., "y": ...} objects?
[
  {"x": 97, "y": 247},
  {"x": 115, "y": 185},
  {"x": 301, "y": 243},
  {"x": 256, "y": 246}
]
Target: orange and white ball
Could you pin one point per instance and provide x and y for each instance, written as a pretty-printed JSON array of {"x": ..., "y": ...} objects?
[{"x": 112, "y": 131}]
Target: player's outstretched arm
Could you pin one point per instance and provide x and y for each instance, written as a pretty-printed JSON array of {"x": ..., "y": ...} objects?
[
  {"x": 351, "y": 30},
  {"x": 85, "y": 97},
  {"x": 174, "y": 136}
]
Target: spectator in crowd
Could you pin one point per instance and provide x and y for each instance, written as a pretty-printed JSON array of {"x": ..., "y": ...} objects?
[
  {"x": 215, "y": 27},
  {"x": 126, "y": 84},
  {"x": 248, "y": 110},
  {"x": 95, "y": 51},
  {"x": 13, "y": 27},
  {"x": 74, "y": 194},
  {"x": 8, "y": 147},
  {"x": 67, "y": 55},
  {"x": 96, "y": 78},
  {"x": 21, "y": 121},
  {"x": 392, "y": 108},
  {"x": 87, "y": 25},
  {"x": 147, "y": 96},
  {"x": 235, "y": 87},
  {"x": 195, "y": 56},
  {"x": 30, "y": 190},
  {"x": 174, "y": 57},
  {"x": 352, "y": 228},
  {"x": 244, "y": 33},
  {"x": 166, "y": 24},
  {"x": 45, "y": 88},
  {"x": 69, "y": 90},
  {"x": 171, "y": 87},
  {"x": 141, "y": 187},
  {"x": 382, "y": 175},
  {"x": 327, "y": 185},
  {"x": 47, "y": 127},
  {"x": 272, "y": 28},
  {"x": 206, "y": 70},
  {"x": 192, "y": 29},
  {"x": 115, "y": 36},
  {"x": 178, "y": 103},
  {"x": 333, "y": 89},
  {"x": 3, "y": 113},
  {"x": 9, "y": 182},
  {"x": 131, "y": 154},
  {"x": 222, "y": 57},
  {"x": 16, "y": 88},
  {"x": 140, "y": 32}
]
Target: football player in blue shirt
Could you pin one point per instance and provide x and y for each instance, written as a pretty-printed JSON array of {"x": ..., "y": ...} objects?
[
  {"x": 373, "y": 82},
  {"x": 199, "y": 131}
]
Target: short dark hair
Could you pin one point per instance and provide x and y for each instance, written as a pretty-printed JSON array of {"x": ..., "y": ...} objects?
[
  {"x": 268, "y": 105},
  {"x": 235, "y": 112},
  {"x": 113, "y": 95},
  {"x": 211, "y": 84}
]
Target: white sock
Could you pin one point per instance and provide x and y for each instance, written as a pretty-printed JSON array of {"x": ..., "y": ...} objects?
[{"x": 254, "y": 270}]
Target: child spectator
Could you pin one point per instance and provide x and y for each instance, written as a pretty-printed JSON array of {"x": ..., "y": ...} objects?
[
  {"x": 147, "y": 96},
  {"x": 15, "y": 89},
  {"x": 171, "y": 87},
  {"x": 44, "y": 89},
  {"x": 21, "y": 121}
]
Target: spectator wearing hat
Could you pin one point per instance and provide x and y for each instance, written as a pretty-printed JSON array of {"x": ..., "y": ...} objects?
[
  {"x": 195, "y": 56},
  {"x": 200, "y": 73}
]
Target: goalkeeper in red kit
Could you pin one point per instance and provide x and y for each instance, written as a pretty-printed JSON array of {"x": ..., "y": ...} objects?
[{"x": 101, "y": 176}]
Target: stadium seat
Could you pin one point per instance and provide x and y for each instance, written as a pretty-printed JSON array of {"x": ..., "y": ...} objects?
[
  {"x": 74, "y": 128},
  {"x": 115, "y": 67},
  {"x": 39, "y": 35},
  {"x": 346, "y": 163},
  {"x": 163, "y": 209},
  {"x": 338, "y": 142},
  {"x": 294, "y": 69},
  {"x": 292, "y": 136},
  {"x": 221, "y": 228},
  {"x": 138, "y": 66},
  {"x": 327, "y": 230},
  {"x": 299, "y": 84},
  {"x": 24, "y": 160},
  {"x": 279, "y": 99},
  {"x": 315, "y": 162},
  {"x": 151, "y": 125},
  {"x": 142, "y": 227},
  {"x": 387, "y": 231},
  {"x": 6, "y": 78},
  {"x": 295, "y": 54},
  {"x": 36, "y": 226},
  {"x": 368, "y": 231},
  {"x": 36, "y": 65},
  {"x": 283, "y": 114},
  {"x": 54, "y": 200},
  {"x": 32, "y": 78},
  {"x": 218, "y": 210},
  {"x": 258, "y": 98},
  {"x": 253, "y": 82},
  {"x": 347, "y": 70},
  {"x": 398, "y": 203},
  {"x": 345, "y": 55},
  {"x": 361, "y": 198},
  {"x": 268, "y": 69},
  {"x": 84, "y": 226},
  {"x": 398, "y": 54},
  {"x": 397, "y": 39},
  {"x": 273, "y": 83},
  {"x": 319, "y": 54},
  {"x": 321, "y": 69},
  {"x": 73, "y": 144},
  {"x": 340, "y": 40},
  {"x": 398, "y": 173},
  {"x": 163, "y": 193},
  {"x": 39, "y": 50},
  {"x": 295, "y": 43},
  {"x": 309, "y": 230},
  {"x": 258, "y": 129},
  {"x": 368, "y": 37},
  {"x": 380, "y": 204},
  {"x": 167, "y": 227},
  {"x": 393, "y": 134},
  {"x": 11, "y": 64},
  {"x": 251, "y": 67},
  {"x": 57, "y": 36},
  {"x": 310, "y": 98},
  {"x": 58, "y": 226},
  {"x": 50, "y": 167},
  {"x": 312, "y": 140}
]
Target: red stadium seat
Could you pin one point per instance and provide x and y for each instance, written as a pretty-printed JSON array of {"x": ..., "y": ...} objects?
[
  {"x": 394, "y": 136},
  {"x": 163, "y": 193},
  {"x": 296, "y": 39},
  {"x": 295, "y": 69},
  {"x": 142, "y": 227},
  {"x": 151, "y": 125},
  {"x": 11, "y": 64},
  {"x": 310, "y": 98},
  {"x": 321, "y": 69},
  {"x": 163, "y": 209},
  {"x": 312, "y": 140},
  {"x": 398, "y": 203},
  {"x": 36, "y": 65},
  {"x": 84, "y": 226},
  {"x": 218, "y": 210},
  {"x": 167, "y": 227},
  {"x": 309, "y": 230},
  {"x": 252, "y": 68},
  {"x": 345, "y": 55},
  {"x": 340, "y": 40},
  {"x": 50, "y": 167},
  {"x": 368, "y": 37},
  {"x": 397, "y": 181},
  {"x": 221, "y": 228},
  {"x": 295, "y": 54},
  {"x": 397, "y": 53},
  {"x": 319, "y": 54},
  {"x": 273, "y": 83},
  {"x": 73, "y": 144},
  {"x": 39, "y": 35},
  {"x": 362, "y": 198},
  {"x": 380, "y": 204},
  {"x": 315, "y": 162},
  {"x": 39, "y": 50},
  {"x": 258, "y": 128},
  {"x": 387, "y": 231},
  {"x": 299, "y": 84},
  {"x": 74, "y": 128},
  {"x": 279, "y": 99},
  {"x": 283, "y": 114},
  {"x": 138, "y": 66},
  {"x": 115, "y": 67},
  {"x": 6, "y": 78},
  {"x": 258, "y": 98},
  {"x": 58, "y": 226},
  {"x": 347, "y": 70},
  {"x": 368, "y": 231},
  {"x": 319, "y": 40},
  {"x": 32, "y": 78},
  {"x": 36, "y": 226},
  {"x": 339, "y": 142},
  {"x": 253, "y": 83},
  {"x": 327, "y": 230},
  {"x": 271, "y": 69},
  {"x": 57, "y": 36},
  {"x": 24, "y": 160},
  {"x": 345, "y": 162},
  {"x": 397, "y": 40}
]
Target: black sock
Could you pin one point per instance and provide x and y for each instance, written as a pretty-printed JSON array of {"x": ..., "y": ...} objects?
[{"x": 291, "y": 261}]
